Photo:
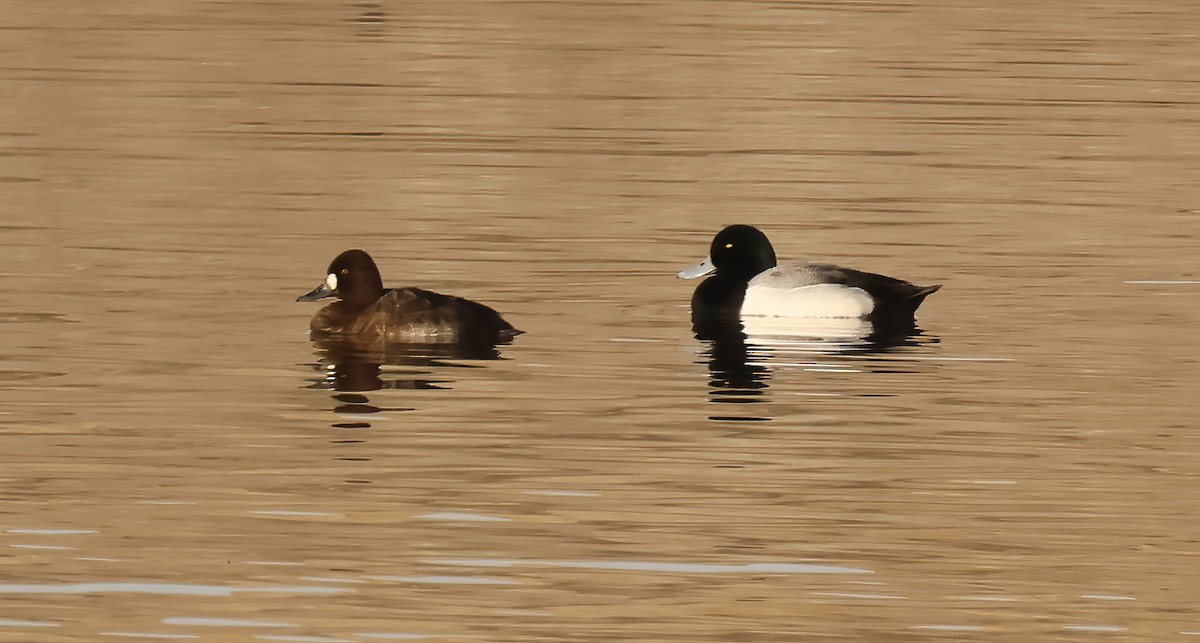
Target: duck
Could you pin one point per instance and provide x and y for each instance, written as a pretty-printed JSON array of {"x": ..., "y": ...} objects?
[
  {"x": 369, "y": 313},
  {"x": 747, "y": 281}
]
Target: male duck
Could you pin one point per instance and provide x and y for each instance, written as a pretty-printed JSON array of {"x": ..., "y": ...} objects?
[
  {"x": 368, "y": 311},
  {"x": 749, "y": 282}
]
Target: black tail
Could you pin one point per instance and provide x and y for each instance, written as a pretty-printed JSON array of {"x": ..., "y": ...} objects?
[
  {"x": 919, "y": 296},
  {"x": 897, "y": 312}
]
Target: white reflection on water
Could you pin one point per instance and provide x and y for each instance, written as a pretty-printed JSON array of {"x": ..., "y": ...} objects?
[
  {"x": 889, "y": 597},
  {"x": 655, "y": 566},
  {"x": 815, "y": 333},
  {"x": 1093, "y": 628},
  {"x": 16, "y": 622},
  {"x": 386, "y": 636},
  {"x": 150, "y": 635},
  {"x": 563, "y": 493},
  {"x": 463, "y": 517},
  {"x": 302, "y": 639},
  {"x": 222, "y": 622},
  {"x": 50, "y": 532},
  {"x": 282, "y": 512},
  {"x": 157, "y": 588},
  {"x": 274, "y": 563},
  {"x": 1163, "y": 282},
  {"x": 446, "y": 580}
]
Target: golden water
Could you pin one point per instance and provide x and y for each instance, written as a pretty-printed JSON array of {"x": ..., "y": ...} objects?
[{"x": 176, "y": 464}]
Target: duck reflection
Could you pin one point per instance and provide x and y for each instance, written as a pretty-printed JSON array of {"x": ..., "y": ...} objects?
[
  {"x": 739, "y": 351},
  {"x": 737, "y": 368},
  {"x": 353, "y": 368}
]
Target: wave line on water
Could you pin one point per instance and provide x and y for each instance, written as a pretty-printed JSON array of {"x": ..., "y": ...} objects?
[
  {"x": 178, "y": 589},
  {"x": 656, "y": 566}
]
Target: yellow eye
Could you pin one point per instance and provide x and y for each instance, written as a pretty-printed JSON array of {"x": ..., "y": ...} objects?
[
  {"x": 728, "y": 245},
  {"x": 345, "y": 271}
]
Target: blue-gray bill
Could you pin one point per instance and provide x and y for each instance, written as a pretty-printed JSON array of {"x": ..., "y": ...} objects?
[
  {"x": 705, "y": 267},
  {"x": 320, "y": 292}
]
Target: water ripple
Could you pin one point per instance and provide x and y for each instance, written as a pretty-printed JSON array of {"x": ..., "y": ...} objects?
[
  {"x": 656, "y": 566},
  {"x": 157, "y": 588}
]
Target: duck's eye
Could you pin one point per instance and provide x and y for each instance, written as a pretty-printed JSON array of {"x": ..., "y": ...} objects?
[
  {"x": 345, "y": 271},
  {"x": 728, "y": 246}
]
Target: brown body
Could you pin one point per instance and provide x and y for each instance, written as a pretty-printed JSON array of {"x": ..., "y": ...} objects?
[
  {"x": 369, "y": 314},
  {"x": 413, "y": 315}
]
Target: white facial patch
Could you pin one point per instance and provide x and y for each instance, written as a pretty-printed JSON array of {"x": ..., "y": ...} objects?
[{"x": 331, "y": 281}]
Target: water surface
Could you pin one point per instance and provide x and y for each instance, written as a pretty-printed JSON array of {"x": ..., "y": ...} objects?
[{"x": 181, "y": 462}]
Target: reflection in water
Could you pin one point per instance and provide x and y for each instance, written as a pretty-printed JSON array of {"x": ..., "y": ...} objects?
[
  {"x": 739, "y": 353},
  {"x": 351, "y": 368},
  {"x": 371, "y": 21},
  {"x": 737, "y": 368}
]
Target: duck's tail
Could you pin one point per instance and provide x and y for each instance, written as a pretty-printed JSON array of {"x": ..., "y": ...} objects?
[
  {"x": 919, "y": 296},
  {"x": 508, "y": 334}
]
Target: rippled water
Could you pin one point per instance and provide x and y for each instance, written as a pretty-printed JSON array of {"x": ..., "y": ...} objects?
[{"x": 180, "y": 462}]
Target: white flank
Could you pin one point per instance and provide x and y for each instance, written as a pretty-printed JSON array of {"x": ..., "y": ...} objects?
[{"x": 818, "y": 300}]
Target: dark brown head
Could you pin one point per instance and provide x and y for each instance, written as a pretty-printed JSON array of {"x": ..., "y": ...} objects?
[{"x": 353, "y": 278}]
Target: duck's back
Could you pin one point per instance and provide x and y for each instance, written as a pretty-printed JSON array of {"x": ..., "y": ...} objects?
[
  {"x": 414, "y": 315},
  {"x": 885, "y": 290},
  {"x": 877, "y": 297}
]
